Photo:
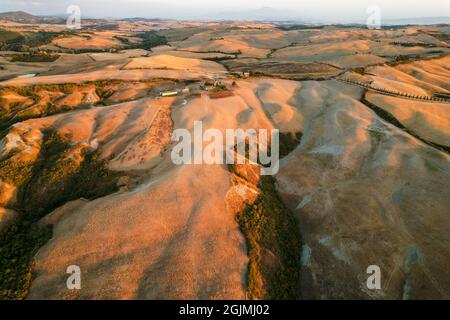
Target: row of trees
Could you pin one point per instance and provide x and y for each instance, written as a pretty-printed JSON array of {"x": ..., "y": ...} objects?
[{"x": 394, "y": 92}]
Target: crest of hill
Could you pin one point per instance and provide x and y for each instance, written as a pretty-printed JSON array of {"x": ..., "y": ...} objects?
[
  {"x": 19, "y": 16},
  {"x": 24, "y": 17},
  {"x": 164, "y": 61}
]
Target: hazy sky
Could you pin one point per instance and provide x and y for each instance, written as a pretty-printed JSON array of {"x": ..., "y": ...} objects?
[{"x": 325, "y": 10}]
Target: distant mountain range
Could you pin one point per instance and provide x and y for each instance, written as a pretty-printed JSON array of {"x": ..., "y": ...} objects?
[
  {"x": 262, "y": 14},
  {"x": 429, "y": 20},
  {"x": 140, "y": 19},
  {"x": 272, "y": 14},
  {"x": 24, "y": 17},
  {"x": 20, "y": 16}
]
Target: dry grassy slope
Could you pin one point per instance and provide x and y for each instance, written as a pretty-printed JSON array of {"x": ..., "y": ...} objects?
[
  {"x": 323, "y": 51},
  {"x": 200, "y": 250},
  {"x": 367, "y": 193},
  {"x": 92, "y": 41},
  {"x": 114, "y": 127},
  {"x": 419, "y": 77},
  {"x": 330, "y": 44},
  {"x": 430, "y": 121},
  {"x": 433, "y": 71},
  {"x": 169, "y": 239},
  {"x": 211, "y": 42},
  {"x": 364, "y": 192},
  {"x": 172, "y": 62},
  {"x": 124, "y": 75},
  {"x": 194, "y": 249}
]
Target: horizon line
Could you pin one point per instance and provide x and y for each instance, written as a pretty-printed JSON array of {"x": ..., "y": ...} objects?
[{"x": 301, "y": 20}]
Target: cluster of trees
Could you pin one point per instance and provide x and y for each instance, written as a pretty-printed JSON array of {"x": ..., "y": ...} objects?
[
  {"x": 414, "y": 44},
  {"x": 15, "y": 41},
  {"x": 270, "y": 231},
  {"x": 35, "y": 57},
  {"x": 150, "y": 39}
]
